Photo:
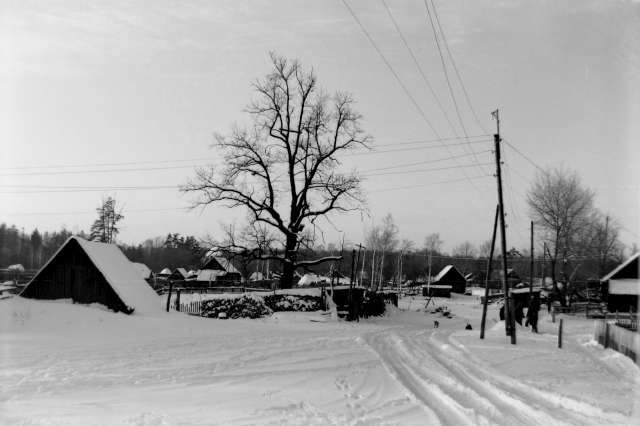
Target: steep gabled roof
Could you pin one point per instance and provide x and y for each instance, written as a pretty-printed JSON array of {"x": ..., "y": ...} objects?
[
  {"x": 628, "y": 263},
  {"x": 181, "y": 271},
  {"x": 219, "y": 263},
  {"x": 119, "y": 272},
  {"x": 445, "y": 271}
]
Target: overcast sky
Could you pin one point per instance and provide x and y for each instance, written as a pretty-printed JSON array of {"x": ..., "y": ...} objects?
[{"x": 148, "y": 83}]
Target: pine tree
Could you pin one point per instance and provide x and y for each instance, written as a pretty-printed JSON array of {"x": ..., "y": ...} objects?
[{"x": 104, "y": 228}]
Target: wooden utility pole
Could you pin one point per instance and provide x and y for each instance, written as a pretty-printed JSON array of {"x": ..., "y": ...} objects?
[
  {"x": 508, "y": 308},
  {"x": 486, "y": 282},
  {"x": 360, "y": 247},
  {"x": 531, "y": 270}
]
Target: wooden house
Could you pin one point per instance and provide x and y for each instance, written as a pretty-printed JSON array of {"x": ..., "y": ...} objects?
[
  {"x": 621, "y": 287},
  {"x": 91, "y": 272}
]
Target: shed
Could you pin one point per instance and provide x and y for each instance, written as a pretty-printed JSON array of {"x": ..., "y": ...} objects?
[
  {"x": 90, "y": 272},
  {"x": 449, "y": 275},
  {"x": 621, "y": 287},
  {"x": 436, "y": 290}
]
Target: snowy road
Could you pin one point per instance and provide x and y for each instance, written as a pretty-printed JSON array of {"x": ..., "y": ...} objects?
[
  {"x": 457, "y": 389},
  {"x": 69, "y": 364}
]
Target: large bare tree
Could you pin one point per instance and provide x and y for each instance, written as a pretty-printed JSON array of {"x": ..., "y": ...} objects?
[
  {"x": 284, "y": 169},
  {"x": 562, "y": 208}
]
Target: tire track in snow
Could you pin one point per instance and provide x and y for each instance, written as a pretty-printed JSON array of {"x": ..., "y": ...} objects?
[
  {"x": 461, "y": 392},
  {"x": 568, "y": 410},
  {"x": 427, "y": 389}
]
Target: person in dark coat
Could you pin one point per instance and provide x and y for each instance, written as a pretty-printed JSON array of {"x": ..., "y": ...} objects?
[
  {"x": 532, "y": 312},
  {"x": 519, "y": 313}
]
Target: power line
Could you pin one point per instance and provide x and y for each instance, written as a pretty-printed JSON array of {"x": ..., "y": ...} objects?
[
  {"x": 125, "y": 163},
  {"x": 525, "y": 157},
  {"x": 95, "y": 189},
  {"x": 444, "y": 68},
  {"x": 390, "y": 67},
  {"x": 397, "y": 77},
  {"x": 440, "y": 140},
  {"x": 446, "y": 75},
  {"x": 421, "y": 162},
  {"x": 412, "y": 149},
  {"x": 426, "y": 170},
  {"x": 184, "y": 160},
  {"x": 89, "y": 212},
  {"x": 78, "y": 172},
  {"x": 455, "y": 67},
  {"x": 419, "y": 67},
  {"x": 429, "y": 184}
]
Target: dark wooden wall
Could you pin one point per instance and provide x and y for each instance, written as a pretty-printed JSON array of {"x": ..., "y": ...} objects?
[{"x": 72, "y": 275}]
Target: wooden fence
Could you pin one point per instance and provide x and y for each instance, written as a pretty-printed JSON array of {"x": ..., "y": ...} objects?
[
  {"x": 618, "y": 338},
  {"x": 213, "y": 290}
]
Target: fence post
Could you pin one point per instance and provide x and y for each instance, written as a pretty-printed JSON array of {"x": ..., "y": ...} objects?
[
  {"x": 560, "y": 334},
  {"x": 178, "y": 300},
  {"x": 553, "y": 314},
  {"x": 606, "y": 334},
  {"x": 169, "y": 296}
]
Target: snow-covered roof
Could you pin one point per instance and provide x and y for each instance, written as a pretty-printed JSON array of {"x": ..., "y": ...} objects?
[
  {"x": 256, "y": 276},
  {"x": 16, "y": 268},
  {"x": 5, "y": 287},
  {"x": 165, "y": 271},
  {"x": 611, "y": 274},
  {"x": 444, "y": 272},
  {"x": 143, "y": 269},
  {"x": 437, "y": 286},
  {"x": 122, "y": 275},
  {"x": 181, "y": 271},
  {"x": 119, "y": 272},
  {"x": 308, "y": 279}
]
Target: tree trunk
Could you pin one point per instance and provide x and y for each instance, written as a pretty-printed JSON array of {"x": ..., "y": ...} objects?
[{"x": 288, "y": 266}]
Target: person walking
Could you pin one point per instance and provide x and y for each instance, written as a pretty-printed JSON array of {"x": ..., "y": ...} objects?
[{"x": 532, "y": 312}]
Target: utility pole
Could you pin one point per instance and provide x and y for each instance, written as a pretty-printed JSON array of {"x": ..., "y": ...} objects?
[
  {"x": 360, "y": 247},
  {"x": 487, "y": 280},
  {"x": 531, "y": 270},
  {"x": 508, "y": 308}
]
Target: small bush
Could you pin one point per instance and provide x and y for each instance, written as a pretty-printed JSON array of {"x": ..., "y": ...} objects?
[
  {"x": 293, "y": 303},
  {"x": 237, "y": 307}
]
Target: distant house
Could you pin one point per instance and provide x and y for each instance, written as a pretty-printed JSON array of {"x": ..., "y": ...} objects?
[
  {"x": 164, "y": 273},
  {"x": 91, "y": 272},
  {"x": 216, "y": 271},
  {"x": 449, "y": 275},
  {"x": 621, "y": 287},
  {"x": 256, "y": 276},
  {"x": 179, "y": 274}
]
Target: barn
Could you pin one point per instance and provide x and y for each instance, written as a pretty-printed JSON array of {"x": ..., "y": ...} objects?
[
  {"x": 621, "y": 287},
  {"x": 90, "y": 272},
  {"x": 449, "y": 275}
]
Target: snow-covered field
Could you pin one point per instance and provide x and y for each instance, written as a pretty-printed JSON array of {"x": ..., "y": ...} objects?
[{"x": 70, "y": 364}]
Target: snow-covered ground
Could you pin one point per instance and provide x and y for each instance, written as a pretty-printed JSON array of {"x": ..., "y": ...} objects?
[{"x": 71, "y": 364}]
